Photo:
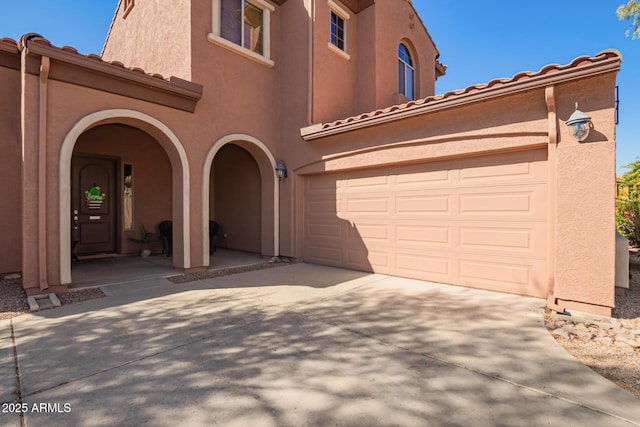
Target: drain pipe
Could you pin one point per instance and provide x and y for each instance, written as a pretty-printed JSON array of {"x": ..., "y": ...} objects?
[
  {"x": 45, "y": 64},
  {"x": 28, "y": 154},
  {"x": 311, "y": 10},
  {"x": 550, "y": 99}
]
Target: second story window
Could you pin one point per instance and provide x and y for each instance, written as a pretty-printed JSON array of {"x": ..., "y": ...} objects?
[
  {"x": 405, "y": 72},
  {"x": 241, "y": 23},
  {"x": 338, "y": 31},
  {"x": 243, "y": 27}
]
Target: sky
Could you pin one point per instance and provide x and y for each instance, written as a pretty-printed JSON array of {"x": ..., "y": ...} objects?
[{"x": 478, "y": 41}]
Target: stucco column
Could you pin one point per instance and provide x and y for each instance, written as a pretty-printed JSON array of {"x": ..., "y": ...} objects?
[
  {"x": 585, "y": 237},
  {"x": 32, "y": 129},
  {"x": 552, "y": 195}
]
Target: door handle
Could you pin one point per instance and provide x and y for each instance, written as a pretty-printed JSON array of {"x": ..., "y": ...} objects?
[{"x": 75, "y": 222}]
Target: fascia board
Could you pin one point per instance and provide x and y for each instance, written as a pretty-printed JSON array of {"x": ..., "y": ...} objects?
[{"x": 175, "y": 85}]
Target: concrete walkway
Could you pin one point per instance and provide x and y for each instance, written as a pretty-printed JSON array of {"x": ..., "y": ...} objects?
[{"x": 301, "y": 345}]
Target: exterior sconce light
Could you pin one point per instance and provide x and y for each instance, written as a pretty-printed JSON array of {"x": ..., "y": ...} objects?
[
  {"x": 579, "y": 124},
  {"x": 281, "y": 170}
]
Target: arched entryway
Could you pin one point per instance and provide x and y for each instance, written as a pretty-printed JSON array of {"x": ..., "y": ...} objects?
[
  {"x": 235, "y": 199},
  {"x": 163, "y": 171},
  {"x": 240, "y": 191}
]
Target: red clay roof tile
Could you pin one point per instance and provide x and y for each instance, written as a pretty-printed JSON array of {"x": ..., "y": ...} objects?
[
  {"x": 580, "y": 61},
  {"x": 9, "y": 42}
]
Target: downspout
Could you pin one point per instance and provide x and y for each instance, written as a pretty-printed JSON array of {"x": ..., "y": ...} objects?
[
  {"x": 31, "y": 136},
  {"x": 312, "y": 18},
  {"x": 45, "y": 64},
  {"x": 552, "y": 197}
]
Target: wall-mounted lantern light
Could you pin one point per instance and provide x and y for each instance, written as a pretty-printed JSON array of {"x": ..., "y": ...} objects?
[
  {"x": 579, "y": 124},
  {"x": 281, "y": 170}
]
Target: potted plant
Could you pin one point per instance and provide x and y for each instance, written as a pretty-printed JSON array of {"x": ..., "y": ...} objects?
[{"x": 146, "y": 240}]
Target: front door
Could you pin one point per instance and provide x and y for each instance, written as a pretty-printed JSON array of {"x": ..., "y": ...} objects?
[{"x": 93, "y": 205}]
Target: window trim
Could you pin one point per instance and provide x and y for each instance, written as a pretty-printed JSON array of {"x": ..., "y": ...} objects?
[
  {"x": 413, "y": 69},
  {"x": 339, "y": 11},
  {"x": 332, "y": 47},
  {"x": 128, "y": 187},
  {"x": 215, "y": 38}
]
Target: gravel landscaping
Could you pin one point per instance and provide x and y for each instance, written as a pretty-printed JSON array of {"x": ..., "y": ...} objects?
[
  {"x": 13, "y": 299},
  {"x": 611, "y": 347}
]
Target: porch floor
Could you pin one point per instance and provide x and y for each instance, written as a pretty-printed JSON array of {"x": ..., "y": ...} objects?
[{"x": 125, "y": 269}]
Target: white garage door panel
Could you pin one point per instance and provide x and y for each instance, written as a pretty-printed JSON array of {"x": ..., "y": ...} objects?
[
  {"x": 494, "y": 271},
  {"x": 423, "y": 204},
  {"x": 433, "y": 235},
  {"x": 477, "y": 221},
  {"x": 528, "y": 201},
  {"x": 524, "y": 276},
  {"x": 434, "y": 265},
  {"x": 328, "y": 254},
  {"x": 516, "y": 239}
]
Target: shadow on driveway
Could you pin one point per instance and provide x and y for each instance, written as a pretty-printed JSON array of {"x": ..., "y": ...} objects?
[{"x": 306, "y": 345}]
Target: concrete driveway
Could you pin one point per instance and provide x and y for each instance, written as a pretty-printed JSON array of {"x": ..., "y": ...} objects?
[{"x": 301, "y": 345}]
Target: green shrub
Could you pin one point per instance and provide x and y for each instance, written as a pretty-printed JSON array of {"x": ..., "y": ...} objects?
[{"x": 628, "y": 220}]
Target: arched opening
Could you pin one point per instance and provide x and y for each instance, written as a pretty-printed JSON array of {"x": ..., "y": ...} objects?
[
  {"x": 235, "y": 201},
  {"x": 406, "y": 72},
  {"x": 130, "y": 177},
  {"x": 240, "y": 192},
  {"x": 107, "y": 141}
]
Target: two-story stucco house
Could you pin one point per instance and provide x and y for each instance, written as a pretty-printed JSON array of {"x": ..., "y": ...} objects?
[{"x": 192, "y": 107}]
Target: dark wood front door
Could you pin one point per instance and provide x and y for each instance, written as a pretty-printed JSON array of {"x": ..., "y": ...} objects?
[{"x": 93, "y": 205}]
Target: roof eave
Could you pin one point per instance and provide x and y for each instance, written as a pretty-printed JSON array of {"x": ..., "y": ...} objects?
[
  {"x": 189, "y": 92},
  {"x": 318, "y": 131}
]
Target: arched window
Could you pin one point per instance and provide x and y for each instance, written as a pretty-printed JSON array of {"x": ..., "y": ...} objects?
[{"x": 405, "y": 72}]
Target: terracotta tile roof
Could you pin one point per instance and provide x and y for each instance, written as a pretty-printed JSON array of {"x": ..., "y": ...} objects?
[
  {"x": 173, "y": 92},
  {"x": 9, "y": 44},
  {"x": 547, "y": 70}
]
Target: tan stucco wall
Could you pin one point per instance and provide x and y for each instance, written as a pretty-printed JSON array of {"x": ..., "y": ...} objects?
[
  {"x": 33, "y": 242},
  {"x": 507, "y": 123},
  {"x": 154, "y": 36},
  {"x": 585, "y": 269},
  {"x": 366, "y": 61},
  {"x": 397, "y": 21},
  {"x": 334, "y": 84},
  {"x": 238, "y": 90},
  {"x": 295, "y": 106},
  {"x": 369, "y": 79},
  {"x": 10, "y": 173}
]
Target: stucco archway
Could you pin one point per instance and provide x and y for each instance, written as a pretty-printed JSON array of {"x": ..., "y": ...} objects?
[
  {"x": 270, "y": 194},
  {"x": 180, "y": 170}
]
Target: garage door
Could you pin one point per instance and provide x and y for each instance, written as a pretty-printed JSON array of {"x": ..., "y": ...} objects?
[{"x": 477, "y": 221}]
